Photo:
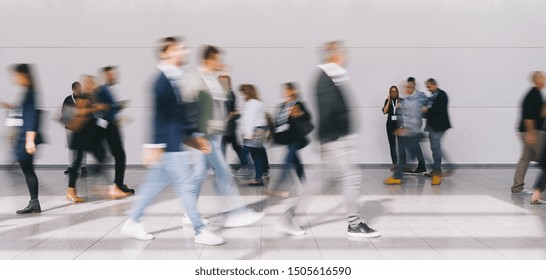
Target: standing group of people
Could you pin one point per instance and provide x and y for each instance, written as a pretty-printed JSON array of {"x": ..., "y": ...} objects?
[{"x": 404, "y": 128}]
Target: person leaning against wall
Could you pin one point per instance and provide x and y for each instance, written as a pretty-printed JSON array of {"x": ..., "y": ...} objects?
[{"x": 392, "y": 104}]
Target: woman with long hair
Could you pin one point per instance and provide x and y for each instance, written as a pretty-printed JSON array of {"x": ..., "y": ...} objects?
[
  {"x": 29, "y": 136},
  {"x": 291, "y": 111},
  {"x": 255, "y": 130},
  {"x": 392, "y": 103}
]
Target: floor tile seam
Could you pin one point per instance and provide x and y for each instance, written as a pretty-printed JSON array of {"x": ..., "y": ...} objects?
[{"x": 313, "y": 235}]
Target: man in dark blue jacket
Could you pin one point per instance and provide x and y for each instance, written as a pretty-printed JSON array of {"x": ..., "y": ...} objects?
[
  {"x": 112, "y": 133},
  {"x": 166, "y": 160}
]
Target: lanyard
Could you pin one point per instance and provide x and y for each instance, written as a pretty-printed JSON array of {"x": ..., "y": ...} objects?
[{"x": 394, "y": 102}]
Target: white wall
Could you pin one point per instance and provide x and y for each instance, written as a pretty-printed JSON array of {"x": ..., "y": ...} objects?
[{"x": 480, "y": 52}]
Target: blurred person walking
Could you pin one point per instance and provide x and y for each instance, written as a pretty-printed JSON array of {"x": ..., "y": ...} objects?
[
  {"x": 531, "y": 130},
  {"x": 255, "y": 131},
  {"x": 112, "y": 131},
  {"x": 202, "y": 86},
  {"x": 168, "y": 163},
  {"x": 69, "y": 103},
  {"x": 337, "y": 137},
  {"x": 29, "y": 134}
]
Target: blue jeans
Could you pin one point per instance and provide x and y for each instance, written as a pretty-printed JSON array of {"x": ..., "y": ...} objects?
[
  {"x": 175, "y": 168},
  {"x": 291, "y": 158},
  {"x": 408, "y": 144},
  {"x": 260, "y": 160},
  {"x": 223, "y": 178},
  {"x": 435, "y": 138}
]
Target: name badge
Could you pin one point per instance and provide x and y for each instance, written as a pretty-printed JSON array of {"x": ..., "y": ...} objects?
[
  {"x": 393, "y": 118},
  {"x": 102, "y": 123}
]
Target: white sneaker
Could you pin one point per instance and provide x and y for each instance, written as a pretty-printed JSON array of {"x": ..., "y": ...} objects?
[
  {"x": 186, "y": 221},
  {"x": 243, "y": 219},
  {"x": 206, "y": 237},
  {"x": 287, "y": 226},
  {"x": 135, "y": 230}
]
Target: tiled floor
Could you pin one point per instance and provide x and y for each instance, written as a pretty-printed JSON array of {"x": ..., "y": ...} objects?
[{"x": 472, "y": 215}]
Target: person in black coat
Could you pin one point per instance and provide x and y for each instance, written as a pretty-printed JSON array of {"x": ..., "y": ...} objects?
[
  {"x": 437, "y": 124},
  {"x": 87, "y": 135},
  {"x": 29, "y": 136},
  {"x": 112, "y": 132}
]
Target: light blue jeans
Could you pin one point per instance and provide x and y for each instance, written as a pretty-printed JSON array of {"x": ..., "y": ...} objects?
[
  {"x": 222, "y": 175},
  {"x": 176, "y": 168}
]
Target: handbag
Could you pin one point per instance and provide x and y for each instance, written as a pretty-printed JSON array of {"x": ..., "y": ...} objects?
[
  {"x": 302, "y": 126},
  {"x": 260, "y": 137}
]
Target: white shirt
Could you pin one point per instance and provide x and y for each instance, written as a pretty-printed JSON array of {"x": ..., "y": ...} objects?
[{"x": 252, "y": 117}]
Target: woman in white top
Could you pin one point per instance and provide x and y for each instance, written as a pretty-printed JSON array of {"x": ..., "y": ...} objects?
[{"x": 255, "y": 130}]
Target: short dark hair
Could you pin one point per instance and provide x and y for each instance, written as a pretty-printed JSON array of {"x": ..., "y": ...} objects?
[
  {"x": 25, "y": 69},
  {"x": 431, "y": 81},
  {"x": 209, "y": 51},
  {"x": 108, "y": 68},
  {"x": 411, "y": 80},
  {"x": 167, "y": 42},
  {"x": 291, "y": 86},
  {"x": 75, "y": 84}
]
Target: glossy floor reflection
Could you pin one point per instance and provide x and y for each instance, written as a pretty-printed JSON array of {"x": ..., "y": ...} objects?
[{"x": 472, "y": 215}]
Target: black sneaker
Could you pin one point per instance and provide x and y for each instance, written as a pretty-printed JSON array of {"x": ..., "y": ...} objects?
[
  {"x": 84, "y": 170},
  {"x": 125, "y": 189},
  {"x": 420, "y": 170},
  {"x": 67, "y": 171},
  {"x": 362, "y": 230}
]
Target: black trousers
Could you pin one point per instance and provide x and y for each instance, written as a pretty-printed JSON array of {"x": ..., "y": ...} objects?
[
  {"x": 391, "y": 127},
  {"x": 99, "y": 154},
  {"x": 27, "y": 166},
  {"x": 113, "y": 138},
  {"x": 235, "y": 145}
]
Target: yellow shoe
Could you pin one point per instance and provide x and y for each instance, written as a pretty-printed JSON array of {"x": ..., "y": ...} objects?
[
  {"x": 392, "y": 181},
  {"x": 436, "y": 180}
]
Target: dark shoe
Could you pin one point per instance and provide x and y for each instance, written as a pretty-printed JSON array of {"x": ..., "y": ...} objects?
[
  {"x": 407, "y": 170},
  {"x": 33, "y": 207},
  {"x": 125, "y": 189},
  {"x": 68, "y": 170},
  {"x": 256, "y": 184},
  {"x": 420, "y": 170},
  {"x": 362, "y": 230},
  {"x": 84, "y": 170}
]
